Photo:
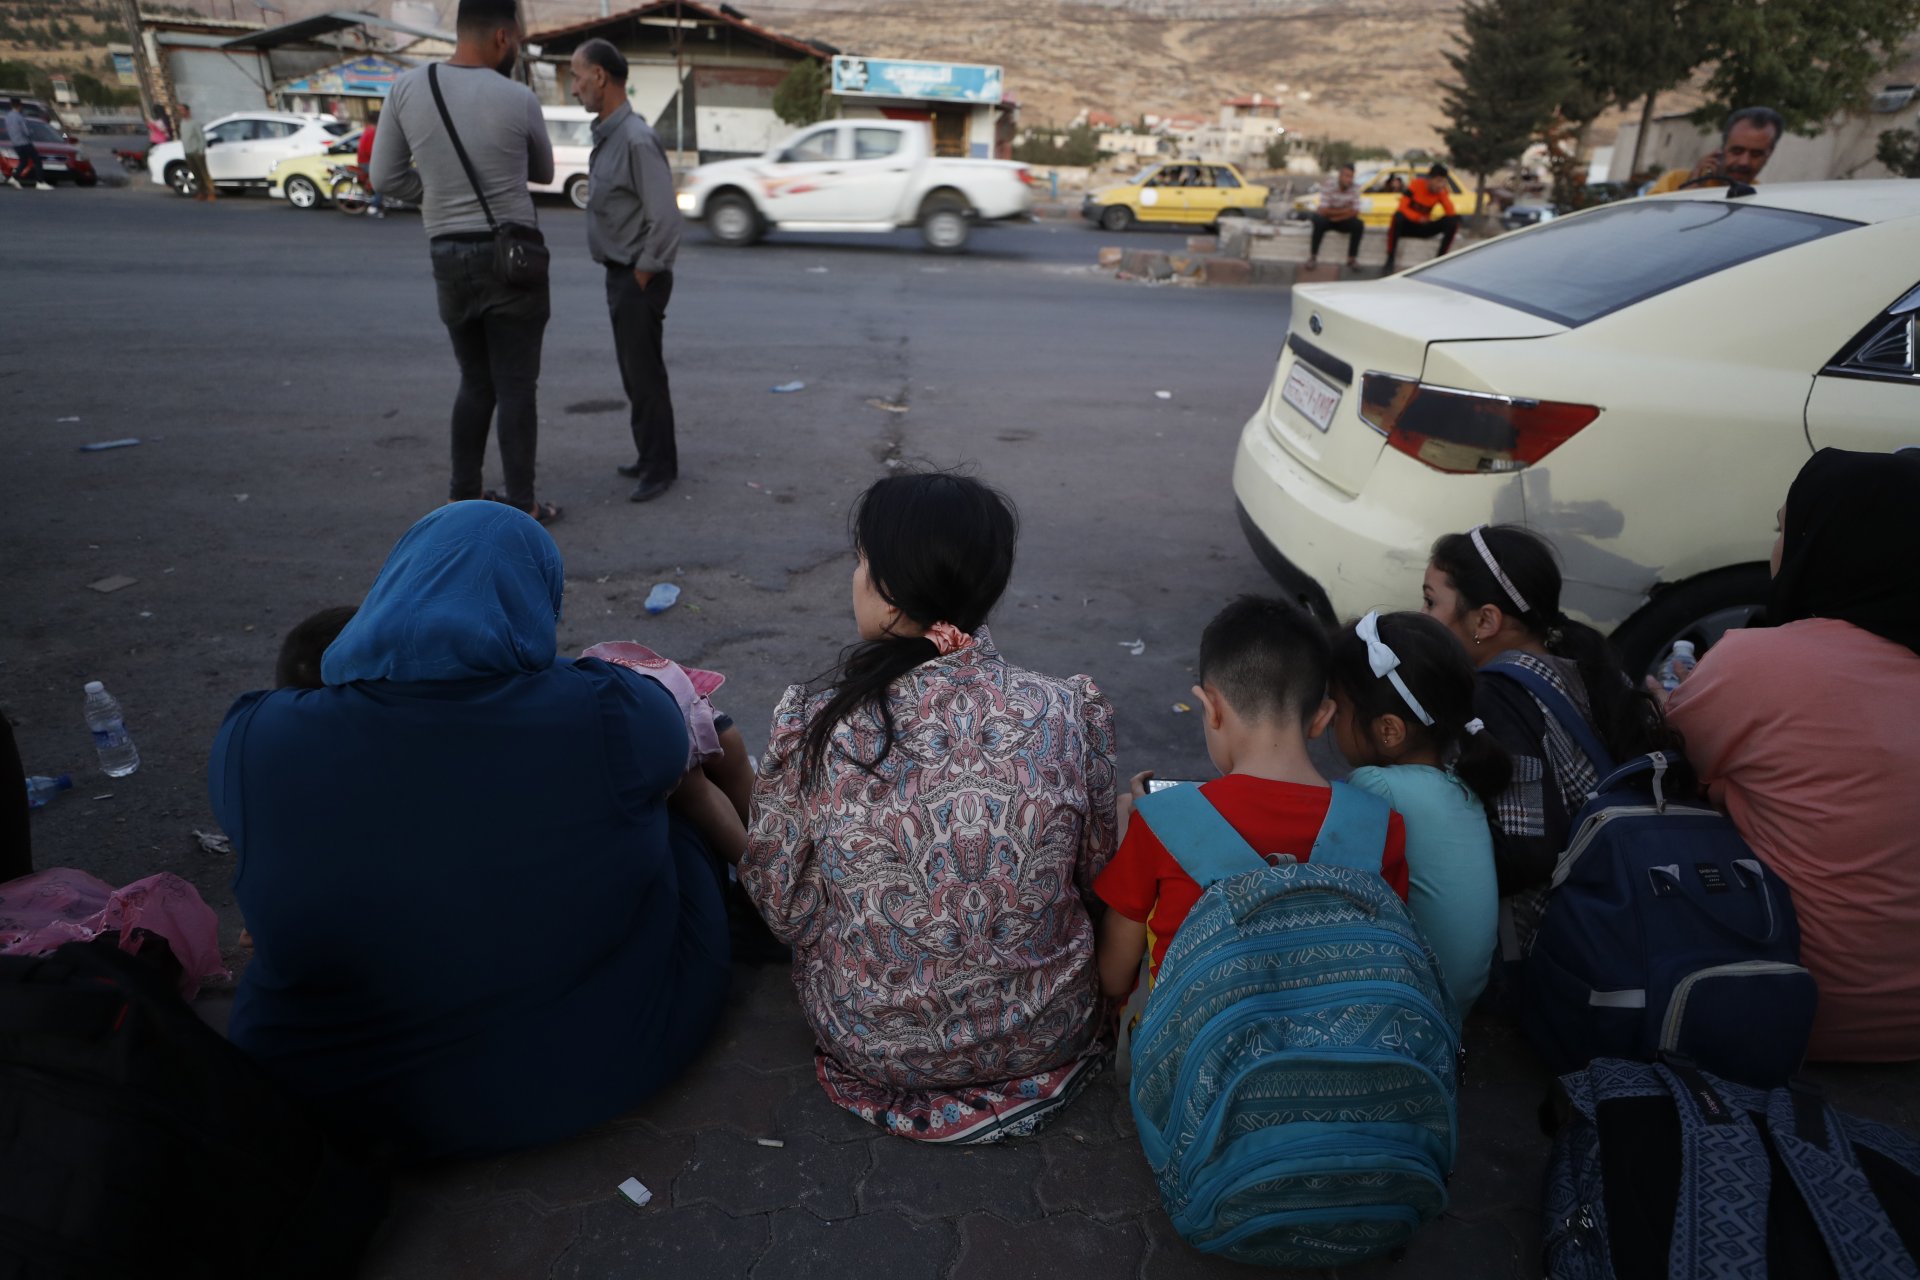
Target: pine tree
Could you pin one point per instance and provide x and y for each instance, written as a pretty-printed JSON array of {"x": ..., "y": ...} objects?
[
  {"x": 1514, "y": 69},
  {"x": 800, "y": 98}
]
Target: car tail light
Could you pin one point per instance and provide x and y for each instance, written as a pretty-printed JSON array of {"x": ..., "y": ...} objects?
[
  {"x": 1026, "y": 176},
  {"x": 1467, "y": 432}
]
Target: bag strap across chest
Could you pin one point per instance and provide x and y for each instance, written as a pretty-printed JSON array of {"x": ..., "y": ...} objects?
[
  {"x": 1561, "y": 708},
  {"x": 1204, "y": 843}
]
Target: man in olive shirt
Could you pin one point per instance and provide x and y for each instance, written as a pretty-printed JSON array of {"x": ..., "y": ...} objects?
[{"x": 633, "y": 229}]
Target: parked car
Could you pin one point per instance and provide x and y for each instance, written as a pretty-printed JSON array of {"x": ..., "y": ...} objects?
[
  {"x": 1638, "y": 382},
  {"x": 856, "y": 175},
  {"x": 303, "y": 181},
  {"x": 1183, "y": 191},
  {"x": 570, "y": 129},
  {"x": 1381, "y": 191},
  {"x": 244, "y": 149},
  {"x": 1533, "y": 211},
  {"x": 35, "y": 109},
  {"x": 60, "y": 159}
]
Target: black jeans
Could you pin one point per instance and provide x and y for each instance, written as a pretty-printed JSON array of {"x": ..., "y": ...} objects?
[
  {"x": 497, "y": 330},
  {"x": 26, "y": 169},
  {"x": 639, "y": 326},
  {"x": 1446, "y": 228},
  {"x": 1351, "y": 225}
]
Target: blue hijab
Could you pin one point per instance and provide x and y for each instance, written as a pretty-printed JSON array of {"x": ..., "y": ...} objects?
[{"x": 471, "y": 590}]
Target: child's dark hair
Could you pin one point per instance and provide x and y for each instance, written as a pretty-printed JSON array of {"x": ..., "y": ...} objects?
[
  {"x": 1436, "y": 670},
  {"x": 306, "y": 644},
  {"x": 1266, "y": 657},
  {"x": 939, "y": 548},
  {"x": 1628, "y": 720}
]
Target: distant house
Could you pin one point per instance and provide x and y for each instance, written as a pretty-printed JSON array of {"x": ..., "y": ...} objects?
[{"x": 1246, "y": 127}]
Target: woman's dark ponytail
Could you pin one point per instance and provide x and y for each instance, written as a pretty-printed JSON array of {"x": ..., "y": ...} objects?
[{"x": 939, "y": 548}]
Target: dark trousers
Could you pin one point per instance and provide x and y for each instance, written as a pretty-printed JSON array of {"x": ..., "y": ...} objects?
[
  {"x": 497, "y": 329},
  {"x": 1353, "y": 227},
  {"x": 16, "y": 830},
  {"x": 639, "y": 327},
  {"x": 26, "y": 169},
  {"x": 1446, "y": 228}
]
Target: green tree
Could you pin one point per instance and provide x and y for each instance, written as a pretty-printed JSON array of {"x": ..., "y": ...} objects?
[
  {"x": 1514, "y": 68},
  {"x": 1807, "y": 59},
  {"x": 1899, "y": 150},
  {"x": 800, "y": 98}
]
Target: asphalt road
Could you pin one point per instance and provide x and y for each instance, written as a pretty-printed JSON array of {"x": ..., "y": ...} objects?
[{"x": 291, "y": 384}]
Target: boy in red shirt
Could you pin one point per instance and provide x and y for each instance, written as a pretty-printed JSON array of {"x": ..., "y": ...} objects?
[{"x": 1262, "y": 695}]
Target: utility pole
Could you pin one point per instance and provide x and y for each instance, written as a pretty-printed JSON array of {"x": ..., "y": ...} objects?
[
  {"x": 680, "y": 86},
  {"x": 149, "y": 97}
]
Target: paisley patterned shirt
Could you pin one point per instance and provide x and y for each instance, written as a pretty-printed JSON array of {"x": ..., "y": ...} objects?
[{"x": 938, "y": 907}]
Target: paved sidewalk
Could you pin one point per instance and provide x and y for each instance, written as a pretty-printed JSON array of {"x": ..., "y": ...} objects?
[{"x": 840, "y": 1198}]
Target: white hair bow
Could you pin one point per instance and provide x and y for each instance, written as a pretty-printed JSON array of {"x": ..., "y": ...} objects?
[{"x": 1385, "y": 663}]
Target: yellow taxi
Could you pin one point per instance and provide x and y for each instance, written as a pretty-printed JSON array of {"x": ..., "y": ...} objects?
[
  {"x": 1192, "y": 191},
  {"x": 1380, "y": 195},
  {"x": 305, "y": 181}
]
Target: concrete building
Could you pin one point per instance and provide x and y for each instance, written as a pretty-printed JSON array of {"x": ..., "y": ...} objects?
[
  {"x": 1246, "y": 127},
  {"x": 1141, "y": 146},
  {"x": 702, "y": 75}
]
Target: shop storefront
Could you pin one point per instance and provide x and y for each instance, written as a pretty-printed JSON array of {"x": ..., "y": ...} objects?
[
  {"x": 353, "y": 90},
  {"x": 963, "y": 104}
]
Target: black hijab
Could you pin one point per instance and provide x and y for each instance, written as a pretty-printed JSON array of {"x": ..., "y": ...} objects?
[{"x": 1852, "y": 521}]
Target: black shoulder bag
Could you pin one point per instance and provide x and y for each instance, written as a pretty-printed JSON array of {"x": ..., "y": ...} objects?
[{"x": 520, "y": 256}]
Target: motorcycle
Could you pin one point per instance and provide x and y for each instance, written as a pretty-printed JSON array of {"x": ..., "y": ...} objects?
[
  {"x": 130, "y": 160},
  {"x": 352, "y": 194}
]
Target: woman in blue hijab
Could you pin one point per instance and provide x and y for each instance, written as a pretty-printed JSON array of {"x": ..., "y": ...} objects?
[{"x": 475, "y": 925}]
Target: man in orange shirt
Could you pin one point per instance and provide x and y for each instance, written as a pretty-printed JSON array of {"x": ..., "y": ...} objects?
[{"x": 1419, "y": 214}]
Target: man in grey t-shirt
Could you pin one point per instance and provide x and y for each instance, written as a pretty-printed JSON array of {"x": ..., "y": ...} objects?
[
  {"x": 633, "y": 230},
  {"x": 496, "y": 327}
]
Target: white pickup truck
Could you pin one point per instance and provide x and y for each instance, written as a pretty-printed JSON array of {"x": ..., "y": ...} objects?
[{"x": 855, "y": 175}]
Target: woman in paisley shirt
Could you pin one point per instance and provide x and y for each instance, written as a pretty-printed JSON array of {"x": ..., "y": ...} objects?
[{"x": 925, "y": 834}]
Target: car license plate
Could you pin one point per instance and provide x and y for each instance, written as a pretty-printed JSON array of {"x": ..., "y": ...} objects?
[
  {"x": 61, "y": 165},
  {"x": 1315, "y": 398}
]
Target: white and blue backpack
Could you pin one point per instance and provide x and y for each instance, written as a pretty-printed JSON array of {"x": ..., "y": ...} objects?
[{"x": 1295, "y": 1072}]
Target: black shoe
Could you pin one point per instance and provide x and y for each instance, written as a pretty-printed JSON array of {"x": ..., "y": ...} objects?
[
  {"x": 631, "y": 470},
  {"x": 648, "y": 490}
]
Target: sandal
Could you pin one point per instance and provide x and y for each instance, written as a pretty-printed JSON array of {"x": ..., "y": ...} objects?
[{"x": 544, "y": 512}]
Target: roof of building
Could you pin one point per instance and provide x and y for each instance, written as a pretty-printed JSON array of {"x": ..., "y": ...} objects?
[
  {"x": 724, "y": 15},
  {"x": 305, "y": 30}
]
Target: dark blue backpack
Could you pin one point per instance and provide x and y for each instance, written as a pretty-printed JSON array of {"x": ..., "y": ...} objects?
[{"x": 1663, "y": 933}]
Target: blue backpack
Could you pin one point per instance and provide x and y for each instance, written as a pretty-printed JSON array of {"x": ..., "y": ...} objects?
[
  {"x": 1664, "y": 1170},
  {"x": 1663, "y": 933},
  {"x": 1295, "y": 1071}
]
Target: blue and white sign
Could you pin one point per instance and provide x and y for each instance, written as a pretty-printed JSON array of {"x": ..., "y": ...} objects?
[{"x": 928, "y": 81}]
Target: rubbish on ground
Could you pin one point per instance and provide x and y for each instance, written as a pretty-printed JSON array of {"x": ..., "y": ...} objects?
[
  {"x": 241, "y": 497},
  {"x": 66, "y": 419},
  {"x": 755, "y": 484},
  {"x": 1181, "y": 708},
  {"x": 113, "y": 583},
  {"x": 108, "y": 725},
  {"x": 1134, "y": 647},
  {"x": 816, "y": 271},
  {"x": 146, "y": 613},
  {"x": 107, "y": 795},
  {"x": 636, "y": 1192},
  {"x": 770, "y": 1142},
  {"x": 1164, "y": 395},
  {"x": 662, "y": 597},
  {"x": 104, "y": 445},
  {"x": 886, "y": 406},
  {"x": 213, "y": 841},
  {"x": 41, "y": 788},
  {"x": 785, "y": 387}
]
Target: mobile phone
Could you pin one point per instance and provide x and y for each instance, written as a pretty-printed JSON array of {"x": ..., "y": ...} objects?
[{"x": 1162, "y": 784}]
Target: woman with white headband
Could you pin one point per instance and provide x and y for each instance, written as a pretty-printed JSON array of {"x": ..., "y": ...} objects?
[
  {"x": 1497, "y": 589},
  {"x": 1404, "y": 717}
]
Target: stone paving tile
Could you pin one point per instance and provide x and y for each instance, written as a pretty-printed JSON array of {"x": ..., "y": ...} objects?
[
  {"x": 505, "y": 1239},
  {"x": 588, "y": 1168},
  {"x": 455, "y": 1184},
  {"x": 619, "y": 1242},
  {"x": 742, "y": 1177},
  {"x": 1168, "y": 1257},
  {"x": 887, "y": 1245},
  {"x": 1107, "y": 1181},
  {"x": 808, "y": 1110},
  {"x": 1452, "y": 1247},
  {"x": 1090, "y": 1117},
  {"x": 718, "y": 1095},
  {"x": 1054, "y": 1247},
  {"x": 937, "y": 1181}
]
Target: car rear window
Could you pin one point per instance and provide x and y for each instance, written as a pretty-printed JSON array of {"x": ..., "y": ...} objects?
[
  {"x": 338, "y": 128},
  {"x": 1581, "y": 269}
]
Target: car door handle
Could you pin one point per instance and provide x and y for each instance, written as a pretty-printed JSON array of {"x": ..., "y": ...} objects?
[{"x": 829, "y": 173}]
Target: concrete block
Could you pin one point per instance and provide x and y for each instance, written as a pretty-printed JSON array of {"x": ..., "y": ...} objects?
[
  {"x": 1275, "y": 273},
  {"x": 1233, "y": 240},
  {"x": 1321, "y": 274},
  {"x": 1228, "y": 271},
  {"x": 1110, "y": 256},
  {"x": 1203, "y": 244},
  {"x": 1148, "y": 264}
]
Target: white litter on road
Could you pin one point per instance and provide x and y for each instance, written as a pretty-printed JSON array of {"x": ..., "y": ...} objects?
[
  {"x": 636, "y": 1192},
  {"x": 1134, "y": 647}
]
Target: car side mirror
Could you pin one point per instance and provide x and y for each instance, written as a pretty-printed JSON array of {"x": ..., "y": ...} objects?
[{"x": 214, "y": 142}]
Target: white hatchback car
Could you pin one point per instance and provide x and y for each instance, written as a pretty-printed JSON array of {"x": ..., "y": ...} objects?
[
  {"x": 244, "y": 149},
  {"x": 1639, "y": 382},
  {"x": 570, "y": 129}
]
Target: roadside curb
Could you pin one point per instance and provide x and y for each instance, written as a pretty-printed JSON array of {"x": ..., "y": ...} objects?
[{"x": 1201, "y": 265}]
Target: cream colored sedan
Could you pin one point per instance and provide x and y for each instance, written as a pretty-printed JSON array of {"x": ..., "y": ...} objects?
[{"x": 1638, "y": 382}]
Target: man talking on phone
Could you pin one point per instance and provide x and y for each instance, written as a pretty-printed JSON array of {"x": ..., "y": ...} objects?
[
  {"x": 1747, "y": 140},
  {"x": 633, "y": 229}
]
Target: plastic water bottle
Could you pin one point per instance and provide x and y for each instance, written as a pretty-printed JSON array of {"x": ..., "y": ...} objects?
[
  {"x": 118, "y": 756},
  {"x": 1679, "y": 664},
  {"x": 41, "y": 788},
  {"x": 662, "y": 597}
]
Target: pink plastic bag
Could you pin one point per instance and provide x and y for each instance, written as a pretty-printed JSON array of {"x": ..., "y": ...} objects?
[
  {"x": 41, "y": 911},
  {"x": 690, "y": 687}
]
